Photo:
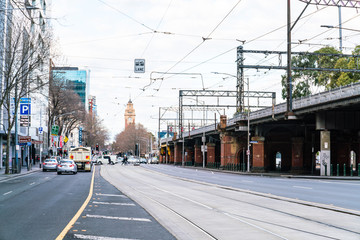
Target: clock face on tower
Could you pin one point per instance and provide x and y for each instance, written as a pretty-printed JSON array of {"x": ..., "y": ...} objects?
[{"x": 129, "y": 119}]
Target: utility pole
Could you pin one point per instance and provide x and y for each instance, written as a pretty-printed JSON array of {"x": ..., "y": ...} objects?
[{"x": 340, "y": 31}]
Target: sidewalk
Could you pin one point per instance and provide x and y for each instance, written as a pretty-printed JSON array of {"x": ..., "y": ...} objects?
[
  {"x": 24, "y": 171},
  {"x": 279, "y": 174}
]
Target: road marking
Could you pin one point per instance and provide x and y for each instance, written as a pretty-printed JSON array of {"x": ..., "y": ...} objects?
[
  {"x": 119, "y": 218},
  {"x": 247, "y": 181},
  {"x": 32, "y": 183},
  {"x": 111, "y": 195},
  {"x": 77, "y": 215},
  {"x": 302, "y": 187},
  {"x": 113, "y": 203},
  {"x": 81, "y": 236},
  {"x": 7, "y": 193}
]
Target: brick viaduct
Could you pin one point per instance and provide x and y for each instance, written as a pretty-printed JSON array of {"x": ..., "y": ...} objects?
[{"x": 323, "y": 136}]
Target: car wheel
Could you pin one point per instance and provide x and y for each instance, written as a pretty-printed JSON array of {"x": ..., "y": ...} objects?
[
  {"x": 99, "y": 162},
  {"x": 58, "y": 173},
  {"x": 44, "y": 170}
]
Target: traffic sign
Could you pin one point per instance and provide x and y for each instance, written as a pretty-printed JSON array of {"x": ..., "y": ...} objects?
[
  {"x": 54, "y": 130},
  {"x": 25, "y": 108},
  {"x": 139, "y": 66},
  {"x": 41, "y": 130}
]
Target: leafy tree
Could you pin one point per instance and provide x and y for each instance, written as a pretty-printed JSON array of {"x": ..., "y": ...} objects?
[
  {"x": 95, "y": 132},
  {"x": 304, "y": 80}
]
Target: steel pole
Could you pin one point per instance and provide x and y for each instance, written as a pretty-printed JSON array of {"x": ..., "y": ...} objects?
[{"x": 248, "y": 131}]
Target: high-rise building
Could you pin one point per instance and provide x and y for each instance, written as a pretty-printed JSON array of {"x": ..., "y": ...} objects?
[
  {"x": 77, "y": 80},
  {"x": 129, "y": 114},
  {"x": 24, "y": 23}
]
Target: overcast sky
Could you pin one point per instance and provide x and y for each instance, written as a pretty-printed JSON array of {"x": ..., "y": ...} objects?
[{"x": 105, "y": 36}]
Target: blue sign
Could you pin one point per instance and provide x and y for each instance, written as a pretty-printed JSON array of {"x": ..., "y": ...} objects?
[
  {"x": 41, "y": 130},
  {"x": 80, "y": 135},
  {"x": 25, "y": 100},
  {"x": 25, "y": 108}
]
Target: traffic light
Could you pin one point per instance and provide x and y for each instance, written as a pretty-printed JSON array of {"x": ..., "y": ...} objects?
[{"x": 97, "y": 147}]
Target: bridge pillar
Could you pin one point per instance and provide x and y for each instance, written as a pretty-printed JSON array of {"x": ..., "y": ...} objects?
[
  {"x": 325, "y": 150},
  {"x": 178, "y": 153},
  {"x": 171, "y": 157},
  {"x": 297, "y": 155},
  {"x": 228, "y": 149},
  {"x": 211, "y": 153},
  {"x": 189, "y": 153},
  {"x": 198, "y": 155},
  {"x": 258, "y": 160}
]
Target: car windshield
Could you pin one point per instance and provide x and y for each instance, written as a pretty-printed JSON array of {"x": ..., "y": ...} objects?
[
  {"x": 50, "y": 160},
  {"x": 65, "y": 161}
]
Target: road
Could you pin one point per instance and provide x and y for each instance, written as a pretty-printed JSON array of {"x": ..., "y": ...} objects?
[
  {"x": 198, "y": 209},
  {"x": 344, "y": 194},
  {"x": 40, "y": 205},
  {"x": 44, "y": 205}
]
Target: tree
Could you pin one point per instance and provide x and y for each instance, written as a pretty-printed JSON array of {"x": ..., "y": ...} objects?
[
  {"x": 23, "y": 71},
  {"x": 132, "y": 135},
  {"x": 95, "y": 133},
  {"x": 303, "y": 81},
  {"x": 65, "y": 107}
]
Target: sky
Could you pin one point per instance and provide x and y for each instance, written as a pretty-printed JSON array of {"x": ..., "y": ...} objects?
[{"x": 183, "y": 43}]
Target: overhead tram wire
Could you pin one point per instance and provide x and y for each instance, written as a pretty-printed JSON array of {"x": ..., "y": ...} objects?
[
  {"x": 157, "y": 27},
  {"x": 122, "y": 13},
  {"x": 204, "y": 39},
  {"x": 247, "y": 42}
]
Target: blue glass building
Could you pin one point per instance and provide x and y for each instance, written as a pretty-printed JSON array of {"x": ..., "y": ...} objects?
[{"x": 77, "y": 80}]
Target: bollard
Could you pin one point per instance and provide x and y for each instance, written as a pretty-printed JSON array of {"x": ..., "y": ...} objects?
[
  {"x": 351, "y": 170},
  {"x": 331, "y": 169},
  {"x": 344, "y": 169},
  {"x": 325, "y": 169},
  {"x": 337, "y": 169}
]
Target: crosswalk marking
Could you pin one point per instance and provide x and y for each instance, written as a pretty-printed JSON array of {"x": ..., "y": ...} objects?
[
  {"x": 111, "y": 195},
  {"x": 113, "y": 203},
  {"x": 90, "y": 237},
  {"x": 119, "y": 218}
]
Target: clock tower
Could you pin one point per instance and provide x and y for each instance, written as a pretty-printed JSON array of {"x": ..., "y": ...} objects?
[{"x": 129, "y": 114}]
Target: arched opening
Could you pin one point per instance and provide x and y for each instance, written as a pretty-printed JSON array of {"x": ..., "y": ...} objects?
[
  {"x": 353, "y": 160},
  {"x": 278, "y": 161}
]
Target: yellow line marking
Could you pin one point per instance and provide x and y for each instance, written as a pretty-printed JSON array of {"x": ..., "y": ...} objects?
[{"x": 82, "y": 208}]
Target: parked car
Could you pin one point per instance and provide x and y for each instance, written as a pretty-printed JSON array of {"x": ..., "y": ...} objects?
[
  {"x": 50, "y": 164},
  {"x": 143, "y": 160},
  {"x": 112, "y": 159},
  {"x": 66, "y": 166},
  {"x": 57, "y": 158},
  {"x": 153, "y": 160}
]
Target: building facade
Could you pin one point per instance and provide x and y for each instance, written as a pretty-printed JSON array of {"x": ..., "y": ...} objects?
[{"x": 25, "y": 21}]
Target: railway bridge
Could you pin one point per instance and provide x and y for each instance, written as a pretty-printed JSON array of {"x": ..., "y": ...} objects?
[{"x": 323, "y": 137}]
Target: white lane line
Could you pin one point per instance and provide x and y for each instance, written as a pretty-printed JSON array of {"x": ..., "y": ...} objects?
[
  {"x": 90, "y": 237},
  {"x": 247, "y": 181},
  {"x": 7, "y": 193},
  {"x": 111, "y": 195},
  {"x": 302, "y": 187},
  {"x": 113, "y": 203},
  {"x": 32, "y": 183},
  {"x": 119, "y": 218}
]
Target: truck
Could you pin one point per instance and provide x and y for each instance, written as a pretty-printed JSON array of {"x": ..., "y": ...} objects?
[{"x": 82, "y": 158}]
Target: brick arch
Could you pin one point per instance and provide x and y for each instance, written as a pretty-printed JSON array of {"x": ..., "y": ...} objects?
[{"x": 278, "y": 140}]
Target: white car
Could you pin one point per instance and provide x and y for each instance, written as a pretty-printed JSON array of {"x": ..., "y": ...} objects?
[{"x": 109, "y": 159}]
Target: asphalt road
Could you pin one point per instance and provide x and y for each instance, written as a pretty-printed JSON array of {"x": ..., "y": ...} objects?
[
  {"x": 195, "y": 209},
  {"x": 344, "y": 194},
  {"x": 39, "y": 205}
]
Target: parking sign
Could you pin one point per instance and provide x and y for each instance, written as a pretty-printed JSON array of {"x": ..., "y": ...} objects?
[{"x": 25, "y": 109}]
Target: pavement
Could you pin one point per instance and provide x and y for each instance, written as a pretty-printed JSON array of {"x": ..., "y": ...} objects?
[{"x": 24, "y": 171}]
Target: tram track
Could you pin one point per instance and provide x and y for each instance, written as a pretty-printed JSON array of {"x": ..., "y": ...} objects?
[{"x": 253, "y": 222}]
